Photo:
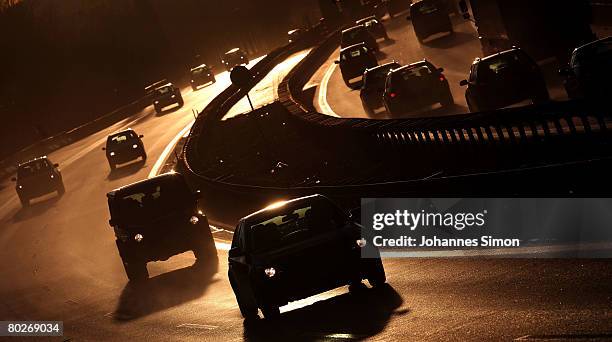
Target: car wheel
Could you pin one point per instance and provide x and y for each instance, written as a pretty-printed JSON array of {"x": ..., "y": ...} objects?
[
  {"x": 447, "y": 99},
  {"x": 194, "y": 88},
  {"x": 247, "y": 311},
  {"x": 471, "y": 107},
  {"x": 270, "y": 311},
  {"x": 181, "y": 103},
  {"x": 376, "y": 273},
  {"x": 213, "y": 80},
  {"x": 136, "y": 271},
  {"x": 25, "y": 202},
  {"x": 113, "y": 167},
  {"x": 144, "y": 156},
  {"x": 61, "y": 189},
  {"x": 157, "y": 109}
]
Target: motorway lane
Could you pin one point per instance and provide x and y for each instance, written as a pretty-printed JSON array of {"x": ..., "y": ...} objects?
[{"x": 453, "y": 53}]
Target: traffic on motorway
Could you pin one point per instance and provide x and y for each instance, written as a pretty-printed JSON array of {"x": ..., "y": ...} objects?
[{"x": 302, "y": 266}]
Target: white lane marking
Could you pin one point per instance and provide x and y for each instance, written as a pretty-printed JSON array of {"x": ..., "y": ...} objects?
[
  {"x": 506, "y": 252},
  {"x": 323, "y": 104},
  {"x": 197, "y": 326},
  {"x": 169, "y": 149}
]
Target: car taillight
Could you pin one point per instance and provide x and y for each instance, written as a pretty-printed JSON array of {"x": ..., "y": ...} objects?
[
  {"x": 442, "y": 79},
  {"x": 392, "y": 95}
]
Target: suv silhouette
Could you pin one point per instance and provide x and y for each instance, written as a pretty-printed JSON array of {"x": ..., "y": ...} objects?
[
  {"x": 354, "y": 60},
  {"x": 166, "y": 95},
  {"x": 37, "y": 177},
  {"x": 123, "y": 147},
  {"x": 155, "y": 219},
  {"x": 296, "y": 249}
]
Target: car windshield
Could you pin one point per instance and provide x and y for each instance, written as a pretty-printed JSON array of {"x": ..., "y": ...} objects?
[
  {"x": 354, "y": 35},
  {"x": 293, "y": 225},
  {"x": 32, "y": 168},
  {"x": 149, "y": 201},
  {"x": 197, "y": 72},
  {"x": 122, "y": 137},
  {"x": 495, "y": 67},
  {"x": 163, "y": 90}
]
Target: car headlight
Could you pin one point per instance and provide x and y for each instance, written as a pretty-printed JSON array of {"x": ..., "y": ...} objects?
[
  {"x": 156, "y": 102},
  {"x": 361, "y": 242},
  {"x": 194, "y": 220},
  {"x": 20, "y": 187},
  {"x": 138, "y": 237},
  {"x": 112, "y": 154},
  {"x": 241, "y": 57},
  {"x": 52, "y": 176},
  {"x": 270, "y": 272},
  {"x": 135, "y": 146},
  {"x": 173, "y": 96}
]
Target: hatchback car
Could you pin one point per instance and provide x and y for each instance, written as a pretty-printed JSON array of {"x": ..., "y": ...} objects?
[
  {"x": 37, "y": 177},
  {"x": 373, "y": 87},
  {"x": 358, "y": 34},
  {"x": 167, "y": 95},
  {"x": 429, "y": 18},
  {"x": 296, "y": 249},
  {"x": 234, "y": 57},
  {"x": 415, "y": 86},
  {"x": 354, "y": 60},
  {"x": 201, "y": 75},
  {"x": 504, "y": 79},
  {"x": 374, "y": 26},
  {"x": 589, "y": 72},
  {"x": 155, "y": 219},
  {"x": 124, "y": 146}
]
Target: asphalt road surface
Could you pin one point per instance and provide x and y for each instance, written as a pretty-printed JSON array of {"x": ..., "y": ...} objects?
[
  {"x": 59, "y": 262},
  {"x": 455, "y": 53}
]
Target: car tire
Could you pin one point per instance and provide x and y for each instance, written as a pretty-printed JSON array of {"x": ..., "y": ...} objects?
[
  {"x": 136, "y": 271},
  {"x": 61, "y": 189},
  {"x": 181, "y": 103},
  {"x": 213, "y": 80},
  {"x": 113, "y": 167},
  {"x": 376, "y": 273},
  {"x": 248, "y": 311},
  {"x": 270, "y": 311},
  {"x": 25, "y": 202},
  {"x": 447, "y": 99},
  {"x": 194, "y": 88},
  {"x": 144, "y": 156},
  {"x": 157, "y": 110}
]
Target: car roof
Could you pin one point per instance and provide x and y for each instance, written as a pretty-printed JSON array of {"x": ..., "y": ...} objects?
[
  {"x": 234, "y": 50},
  {"x": 411, "y": 66},
  {"x": 382, "y": 66},
  {"x": 294, "y": 31},
  {"x": 33, "y": 160},
  {"x": 199, "y": 67},
  {"x": 121, "y": 132},
  {"x": 169, "y": 84},
  {"x": 354, "y": 28},
  {"x": 363, "y": 20},
  {"x": 276, "y": 206},
  {"x": 592, "y": 44},
  {"x": 497, "y": 54},
  {"x": 353, "y": 47},
  {"x": 170, "y": 176}
]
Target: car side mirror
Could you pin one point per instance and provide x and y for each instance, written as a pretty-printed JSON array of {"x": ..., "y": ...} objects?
[
  {"x": 234, "y": 252},
  {"x": 440, "y": 69},
  {"x": 56, "y": 165},
  {"x": 198, "y": 194},
  {"x": 336, "y": 62},
  {"x": 463, "y": 83},
  {"x": 141, "y": 136},
  {"x": 14, "y": 179}
]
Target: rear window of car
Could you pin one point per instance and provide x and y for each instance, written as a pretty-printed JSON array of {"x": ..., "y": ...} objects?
[
  {"x": 414, "y": 73},
  {"x": 32, "y": 168},
  {"x": 197, "y": 71},
  {"x": 354, "y": 53},
  {"x": 427, "y": 8},
  {"x": 121, "y": 137},
  {"x": 294, "y": 225},
  {"x": 163, "y": 90}
]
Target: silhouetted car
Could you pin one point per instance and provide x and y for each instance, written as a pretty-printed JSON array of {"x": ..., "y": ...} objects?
[
  {"x": 429, "y": 18},
  {"x": 374, "y": 26},
  {"x": 37, "y": 177},
  {"x": 415, "y": 86},
  {"x": 294, "y": 35},
  {"x": 590, "y": 70},
  {"x": 296, "y": 249},
  {"x": 155, "y": 219},
  {"x": 395, "y": 7},
  {"x": 358, "y": 34},
  {"x": 374, "y": 86},
  {"x": 503, "y": 79},
  {"x": 354, "y": 60},
  {"x": 166, "y": 95},
  {"x": 124, "y": 146},
  {"x": 234, "y": 57},
  {"x": 200, "y": 75}
]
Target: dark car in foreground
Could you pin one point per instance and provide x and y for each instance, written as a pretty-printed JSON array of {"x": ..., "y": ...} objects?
[
  {"x": 37, "y": 177},
  {"x": 415, "y": 86},
  {"x": 428, "y": 18},
  {"x": 234, "y": 57},
  {"x": 124, "y": 146},
  {"x": 354, "y": 60},
  {"x": 358, "y": 34},
  {"x": 373, "y": 87},
  {"x": 200, "y": 75},
  {"x": 374, "y": 26},
  {"x": 165, "y": 96},
  {"x": 294, "y": 250},
  {"x": 589, "y": 72},
  {"x": 504, "y": 79},
  {"x": 155, "y": 219}
]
